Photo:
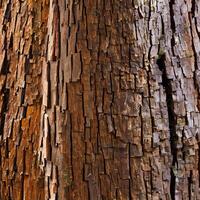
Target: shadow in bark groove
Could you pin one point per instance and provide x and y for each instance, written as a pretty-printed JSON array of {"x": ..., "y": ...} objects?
[
  {"x": 172, "y": 119},
  {"x": 4, "y": 109}
]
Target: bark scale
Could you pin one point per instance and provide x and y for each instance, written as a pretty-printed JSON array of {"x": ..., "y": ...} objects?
[{"x": 99, "y": 99}]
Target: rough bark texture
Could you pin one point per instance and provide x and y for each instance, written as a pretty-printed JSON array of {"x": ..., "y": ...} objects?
[{"x": 99, "y": 99}]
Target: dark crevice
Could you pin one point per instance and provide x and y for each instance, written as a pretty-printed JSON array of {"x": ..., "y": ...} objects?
[
  {"x": 150, "y": 32},
  {"x": 172, "y": 119},
  {"x": 169, "y": 99},
  {"x": 31, "y": 52},
  {"x": 24, "y": 111},
  {"x": 27, "y": 65},
  {"x": 163, "y": 26},
  {"x": 5, "y": 91},
  {"x": 173, "y": 25},
  {"x": 23, "y": 94},
  {"x": 7, "y": 15},
  {"x": 4, "y": 108},
  {"x": 5, "y": 66},
  {"x": 49, "y": 85},
  {"x": 193, "y": 8},
  {"x": 189, "y": 186},
  {"x": 15, "y": 167},
  {"x": 6, "y": 148},
  {"x": 11, "y": 42}
]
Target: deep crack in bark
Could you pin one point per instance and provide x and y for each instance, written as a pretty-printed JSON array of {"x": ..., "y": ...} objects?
[{"x": 172, "y": 119}]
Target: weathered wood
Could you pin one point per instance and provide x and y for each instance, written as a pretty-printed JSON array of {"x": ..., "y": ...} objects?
[{"x": 99, "y": 99}]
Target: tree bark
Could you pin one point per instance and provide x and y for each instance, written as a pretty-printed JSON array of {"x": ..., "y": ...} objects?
[{"x": 99, "y": 99}]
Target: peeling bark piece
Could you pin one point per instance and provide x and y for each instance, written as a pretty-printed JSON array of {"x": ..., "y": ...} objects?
[
  {"x": 67, "y": 69},
  {"x": 45, "y": 93},
  {"x": 76, "y": 69}
]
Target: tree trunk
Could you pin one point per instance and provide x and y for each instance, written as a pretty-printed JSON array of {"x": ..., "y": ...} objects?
[{"x": 99, "y": 99}]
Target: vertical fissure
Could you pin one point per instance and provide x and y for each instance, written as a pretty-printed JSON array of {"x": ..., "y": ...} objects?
[
  {"x": 189, "y": 186},
  {"x": 169, "y": 99},
  {"x": 172, "y": 22},
  {"x": 4, "y": 108},
  {"x": 193, "y": 8},
  {"x": 172, "y": 119}
]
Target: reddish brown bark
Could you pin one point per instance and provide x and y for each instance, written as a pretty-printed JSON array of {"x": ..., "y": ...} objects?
[{"x": 99, "y": 99}]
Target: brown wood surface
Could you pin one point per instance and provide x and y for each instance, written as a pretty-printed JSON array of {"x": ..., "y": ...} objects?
[{"x": 99, "y": 99}]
